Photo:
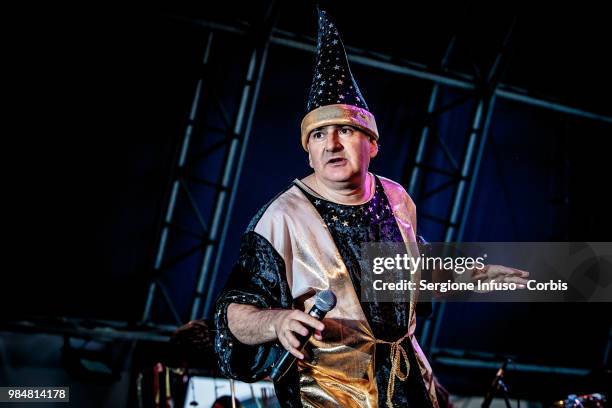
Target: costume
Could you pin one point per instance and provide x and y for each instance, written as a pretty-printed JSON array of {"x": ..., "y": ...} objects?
[{"x": 301, "y": 243}]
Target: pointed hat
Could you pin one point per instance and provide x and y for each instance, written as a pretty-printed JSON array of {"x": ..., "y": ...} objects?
[{"x": 335, "y": 98}]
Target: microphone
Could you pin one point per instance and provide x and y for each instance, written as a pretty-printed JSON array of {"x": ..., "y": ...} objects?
[
  {"x": 495, "y": 385},
  {"x": 324, "y": 302}
]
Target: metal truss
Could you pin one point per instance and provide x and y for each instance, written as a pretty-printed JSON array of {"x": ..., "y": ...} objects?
[
  {"x": 211, "y": 223},
  {"x": 486, "y": 90},
  {"x": 462, "y": 178},
  {"x": 190, "y": 181},
  {"x": 94, "y": 329},
  {"x": 402, "y": 66}
]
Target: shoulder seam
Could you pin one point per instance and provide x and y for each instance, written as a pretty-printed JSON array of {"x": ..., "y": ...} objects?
[{"x": 255, "y": 220}]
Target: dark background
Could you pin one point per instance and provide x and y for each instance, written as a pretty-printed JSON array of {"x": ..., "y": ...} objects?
[{"x": 104, "y": 101}]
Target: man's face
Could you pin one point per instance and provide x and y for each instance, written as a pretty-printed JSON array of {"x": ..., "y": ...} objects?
[{"x": 340, "y": 153}]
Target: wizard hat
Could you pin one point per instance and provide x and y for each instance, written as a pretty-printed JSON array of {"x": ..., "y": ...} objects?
[{"x": 334, "y": 97}]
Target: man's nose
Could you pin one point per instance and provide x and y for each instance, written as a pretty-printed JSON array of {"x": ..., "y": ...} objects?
[{"x": 332, "y": 143}]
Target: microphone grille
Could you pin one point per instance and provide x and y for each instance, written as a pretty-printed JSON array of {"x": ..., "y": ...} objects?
[{"x": 325, "y": 300}]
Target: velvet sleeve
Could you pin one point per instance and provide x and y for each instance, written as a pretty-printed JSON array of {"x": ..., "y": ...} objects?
[{"x": 258, "y": 278}]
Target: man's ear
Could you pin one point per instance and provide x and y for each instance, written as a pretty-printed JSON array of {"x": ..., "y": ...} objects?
[
  {"x": 373, "y": 148},
  {"x": 310, "y": 160}
]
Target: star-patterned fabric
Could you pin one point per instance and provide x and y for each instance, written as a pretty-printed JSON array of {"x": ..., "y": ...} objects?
[
  {"x": 353, "y": 225},
  {"x": 260, "y": 278},
  {"x": 333, "y": 81},
  {"x": 350, "y": 227}
]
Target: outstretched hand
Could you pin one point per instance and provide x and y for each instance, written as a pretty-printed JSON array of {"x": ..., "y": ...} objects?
[{"x": 501, "y": 274}]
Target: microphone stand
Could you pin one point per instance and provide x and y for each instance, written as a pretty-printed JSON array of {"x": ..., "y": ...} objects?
[
  {"x": 504, "y": 390},
  {"x": 498, "y": 384}
]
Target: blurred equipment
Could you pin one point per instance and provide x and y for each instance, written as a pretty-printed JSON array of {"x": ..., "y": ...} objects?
[
  {"x": 582, "y": 401},
  {"x": 161, "y": 386},
  {"x": 205, "y": 392},
  {"x": 497, "y": 385}
]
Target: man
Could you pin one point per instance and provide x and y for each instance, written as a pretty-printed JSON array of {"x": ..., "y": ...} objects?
[{"x": 309, "y": 239}]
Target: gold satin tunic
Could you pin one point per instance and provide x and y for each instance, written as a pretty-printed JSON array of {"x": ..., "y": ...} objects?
[{"x": 339, "y": 370}]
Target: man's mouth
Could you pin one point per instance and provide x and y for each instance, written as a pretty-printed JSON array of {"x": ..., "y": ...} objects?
[{"x": 336, "y": 161}]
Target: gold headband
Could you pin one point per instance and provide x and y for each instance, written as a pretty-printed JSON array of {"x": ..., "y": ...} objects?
[{"x": 338, "y": 114}]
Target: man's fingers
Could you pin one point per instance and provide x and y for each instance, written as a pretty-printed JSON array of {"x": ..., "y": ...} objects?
[
  {"x": 297, "y": 327},
  {"x": 495, "y": 271},
  {"x": 310, "y": 321},
  {"x": 292, "y": 345},
  {"x": 291, "y": 349},
  {"x": 519, "y": 272},
  {"x": 296, "y": 353},
  {"x": 292, "y": 340},
  {"x": 515, "y": 279}
]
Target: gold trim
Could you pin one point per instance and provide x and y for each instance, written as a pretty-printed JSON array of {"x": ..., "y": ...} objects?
[
  {"x": 338, "y": 114},
  {"x": 397, "y": 351},
  {"x": 338, "y": 371},
  {"x": 314, "y": 193},
  {"x": 405, "y": 214}
]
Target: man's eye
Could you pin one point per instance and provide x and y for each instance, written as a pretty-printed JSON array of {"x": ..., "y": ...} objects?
[
  {"x": 346, "y": 130},
  {"x": 317, "y": 135}
]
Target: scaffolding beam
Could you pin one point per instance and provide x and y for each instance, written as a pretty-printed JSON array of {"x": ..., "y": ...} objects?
[
  {"x": 389, "y": 63},
  {"x": 213, "y": 230},
  {"x": 470, "y": 167}
]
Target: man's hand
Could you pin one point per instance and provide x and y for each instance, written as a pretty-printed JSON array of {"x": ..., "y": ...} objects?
[
  {"x": 251, "y": 325},
  {"x": 289, "y": 322},
  {"x": 501, "y": 274}
]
